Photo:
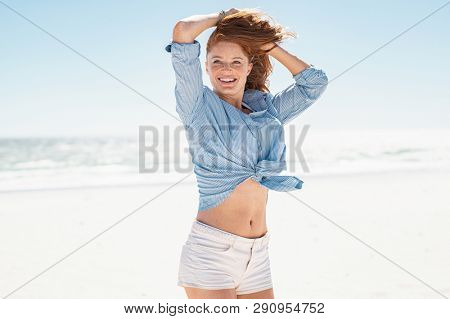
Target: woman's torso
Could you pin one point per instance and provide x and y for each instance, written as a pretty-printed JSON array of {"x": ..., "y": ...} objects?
[{"x": 243, "y": 213}]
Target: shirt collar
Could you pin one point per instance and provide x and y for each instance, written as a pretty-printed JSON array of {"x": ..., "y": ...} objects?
[{"x": 255, "y": 99}]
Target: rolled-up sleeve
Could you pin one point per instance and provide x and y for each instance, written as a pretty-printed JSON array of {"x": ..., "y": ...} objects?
[
  {"x": 309, "y": 85},
  {"x": 188, "y": 73}
]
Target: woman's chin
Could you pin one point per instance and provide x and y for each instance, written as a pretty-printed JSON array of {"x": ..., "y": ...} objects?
[{"x": 228, "y": 90}]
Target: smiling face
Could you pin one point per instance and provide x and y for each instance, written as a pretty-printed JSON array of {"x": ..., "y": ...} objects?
[{"x": 228, "y": 67}]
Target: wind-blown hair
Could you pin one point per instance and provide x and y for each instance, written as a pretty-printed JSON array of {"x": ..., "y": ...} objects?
[{"x": 251, "y": 29}]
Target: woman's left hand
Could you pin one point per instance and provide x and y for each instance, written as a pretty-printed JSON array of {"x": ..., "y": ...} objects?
[{"x": 268, "y": 46}]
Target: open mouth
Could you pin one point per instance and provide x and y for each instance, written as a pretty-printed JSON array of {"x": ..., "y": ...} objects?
[{"x": 225, "y": 80}]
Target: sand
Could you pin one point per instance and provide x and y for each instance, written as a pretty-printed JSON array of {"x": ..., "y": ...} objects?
[{"x": 404, "y": 215}]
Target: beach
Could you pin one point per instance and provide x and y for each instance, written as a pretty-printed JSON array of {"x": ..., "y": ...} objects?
[{"x": 125, "y": 241}]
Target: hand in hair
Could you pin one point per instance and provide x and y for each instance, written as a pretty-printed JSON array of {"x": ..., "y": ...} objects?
[
  {"x": 268, "y": 46},
  {"x": 222, "y": 14},
  {"x": 231, "y": 11}
]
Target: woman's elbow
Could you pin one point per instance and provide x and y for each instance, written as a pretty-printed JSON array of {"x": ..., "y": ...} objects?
[
  {"x": 321, "y": 83},
  {"x": 181, "y": 32},
  {"x": 322, "y": 78},
  {"x": 180, "y": 25},
  {"x": 315, "y": 91}
]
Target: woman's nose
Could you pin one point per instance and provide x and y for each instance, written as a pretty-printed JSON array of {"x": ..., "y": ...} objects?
[{"x": 227, "y": 65}]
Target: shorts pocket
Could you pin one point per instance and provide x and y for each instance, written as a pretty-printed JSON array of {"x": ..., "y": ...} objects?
[{"x": 209, "y": 245}]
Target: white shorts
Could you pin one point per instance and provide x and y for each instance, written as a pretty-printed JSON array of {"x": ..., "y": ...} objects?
[{"x": 212, "y": 258}]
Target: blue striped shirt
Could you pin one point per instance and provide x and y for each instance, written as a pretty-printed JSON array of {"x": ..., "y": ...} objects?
[{"x": 228, "y": 146}]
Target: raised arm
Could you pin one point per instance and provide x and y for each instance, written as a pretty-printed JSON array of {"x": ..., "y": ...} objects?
[
  {"x": 290, "y": 61},
  {"x": 309, "y": 85},
  {"x": 186, "y": 63},
  {"x": 187, "y": 29}
]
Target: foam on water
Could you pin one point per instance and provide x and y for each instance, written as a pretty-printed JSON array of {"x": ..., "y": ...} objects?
[{"x": 57, "y": 163}]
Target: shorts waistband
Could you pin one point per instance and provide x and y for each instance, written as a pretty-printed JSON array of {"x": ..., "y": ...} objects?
[{"x": 233, "y": 238}]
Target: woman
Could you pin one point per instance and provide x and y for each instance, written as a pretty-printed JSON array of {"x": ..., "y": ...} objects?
[{"x": 236, "y": 138}]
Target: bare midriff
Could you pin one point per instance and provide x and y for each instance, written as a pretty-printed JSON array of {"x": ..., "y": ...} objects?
[{"x": 242, "y": 213}]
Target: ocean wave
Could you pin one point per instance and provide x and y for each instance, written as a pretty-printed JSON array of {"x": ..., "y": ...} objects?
[{"x": 41, "y": 163}]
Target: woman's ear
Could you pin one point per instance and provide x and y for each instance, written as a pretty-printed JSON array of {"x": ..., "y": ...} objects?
[{"x": 206, "y": 66}]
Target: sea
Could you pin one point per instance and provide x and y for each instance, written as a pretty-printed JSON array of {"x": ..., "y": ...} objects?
[{"x": 51, "y": 163}]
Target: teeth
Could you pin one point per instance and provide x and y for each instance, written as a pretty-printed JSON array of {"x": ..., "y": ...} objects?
[{"x": 226, "y": 79}]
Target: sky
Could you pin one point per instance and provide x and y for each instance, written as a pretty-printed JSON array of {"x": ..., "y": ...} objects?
[{"x": 47, "y": 90}]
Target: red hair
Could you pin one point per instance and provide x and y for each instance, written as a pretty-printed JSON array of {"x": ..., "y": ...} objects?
[{"x": 251, "y": 29}]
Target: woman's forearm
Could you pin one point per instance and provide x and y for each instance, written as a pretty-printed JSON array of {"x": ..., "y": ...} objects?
[
  {"x": 290, "y": 61},
  {"x": 187, "y": 29}
]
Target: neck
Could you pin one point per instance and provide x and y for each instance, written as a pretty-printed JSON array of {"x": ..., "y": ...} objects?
[{"x": 235, "y": 100}]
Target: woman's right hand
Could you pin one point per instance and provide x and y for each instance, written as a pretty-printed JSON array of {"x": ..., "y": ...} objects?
[
  {"x": 228, "y": 12},
  {"x": 231, "y": 11}
]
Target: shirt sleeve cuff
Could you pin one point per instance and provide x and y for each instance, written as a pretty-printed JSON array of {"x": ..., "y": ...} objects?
[
  {"x": 184, "y": 49},
  {"x": 308, "y": 75}
]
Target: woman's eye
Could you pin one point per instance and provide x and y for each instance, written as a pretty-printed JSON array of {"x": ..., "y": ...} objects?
[
  {"x": 215, "y": 61},
  {"x": 237, "y": 62}
]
